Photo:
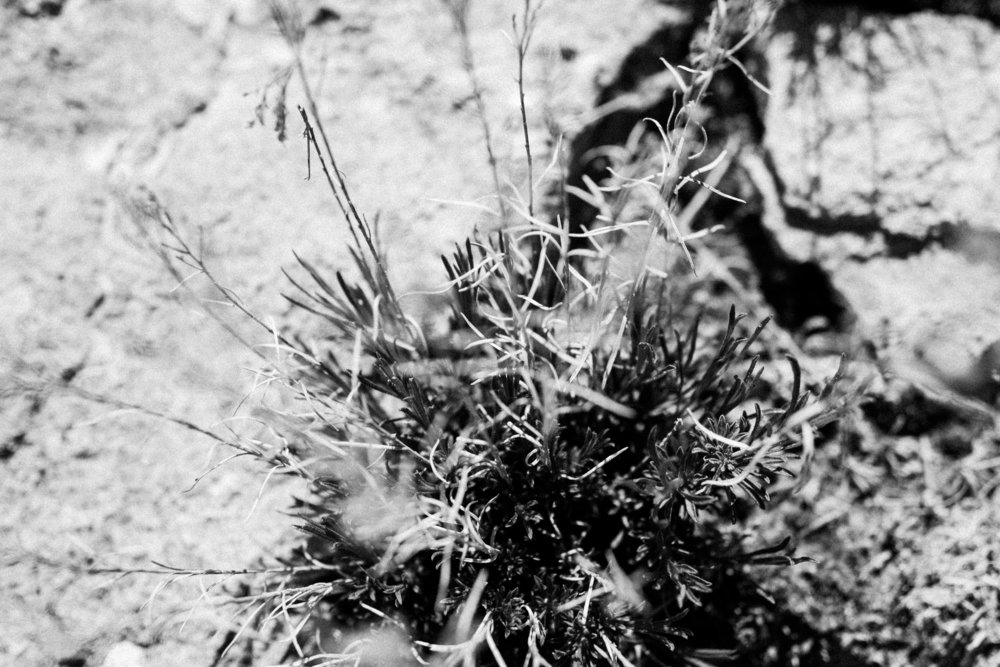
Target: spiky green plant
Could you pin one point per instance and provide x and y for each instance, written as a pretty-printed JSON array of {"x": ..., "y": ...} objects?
[
  {"x": 567, "y": 494},
  {"x": 551, "y": 480}
]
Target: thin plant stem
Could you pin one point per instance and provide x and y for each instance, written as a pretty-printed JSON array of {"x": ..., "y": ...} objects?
[
  {"x": 289, "y": 21},
  {"x": 523, "y": 37},
  {"x": 459, "y": 10},
  {"x": 162, "y": 569},
  {"x": 154, "y": 211}
]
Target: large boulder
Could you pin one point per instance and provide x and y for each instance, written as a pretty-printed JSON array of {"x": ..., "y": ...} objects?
[{"x": 882, "y": 146}]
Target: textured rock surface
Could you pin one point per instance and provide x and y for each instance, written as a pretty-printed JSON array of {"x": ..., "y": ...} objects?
[
  {"x": 932, "y": 316},
  {"x": 912, "y": 586},
  {"x": 885, "y": 123},
  {"x": 115, "y": 93},
  {"x": 883, "y": 139},
  {"x": 106, "y": 95}
]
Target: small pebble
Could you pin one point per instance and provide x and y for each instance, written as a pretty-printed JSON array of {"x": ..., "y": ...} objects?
[{"x": 125, "y": 654}]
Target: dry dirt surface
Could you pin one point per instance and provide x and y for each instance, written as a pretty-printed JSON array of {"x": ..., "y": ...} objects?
[
  {"x": 106, "y": 103},
  {"x": 102, "y": 101}
]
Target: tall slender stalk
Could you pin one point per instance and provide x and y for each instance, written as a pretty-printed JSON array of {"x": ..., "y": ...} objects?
[
  {"x": 522, "y": 38},
  {"x": 459, "y": 10},
  {"x": 517, "y": 495},
  {"x": 289, "y": 21}
]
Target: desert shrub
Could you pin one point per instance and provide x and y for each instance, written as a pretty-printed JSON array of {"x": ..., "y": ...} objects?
[
  {"x": 534, "y": 497},
  {"x": 555, "y": 477}
]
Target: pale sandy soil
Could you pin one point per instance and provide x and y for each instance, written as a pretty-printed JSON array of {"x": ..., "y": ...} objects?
[{"x": 113, "y": 94}]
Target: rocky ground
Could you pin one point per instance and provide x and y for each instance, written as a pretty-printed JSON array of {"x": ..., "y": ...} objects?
[
  {"x": 99, "y": 98},
  {"x": 870, "y": 170}
]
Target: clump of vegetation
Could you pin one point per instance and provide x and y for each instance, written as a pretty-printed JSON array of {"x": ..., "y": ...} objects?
[
  {"x": 555, "y": 476},
  {"x": 532, "y": 496}
]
